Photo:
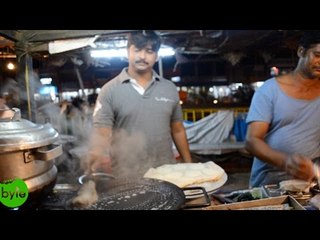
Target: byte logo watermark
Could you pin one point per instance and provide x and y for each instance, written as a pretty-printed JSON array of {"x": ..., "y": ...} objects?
[{"x": 13, "y": 193}]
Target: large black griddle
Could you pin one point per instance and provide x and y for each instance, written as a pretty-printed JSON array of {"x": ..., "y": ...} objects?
[
  {"x": 142, "y": 194},
  {"x": 126, "y": 194}
]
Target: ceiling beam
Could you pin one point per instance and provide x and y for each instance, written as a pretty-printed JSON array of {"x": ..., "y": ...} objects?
[
  {"x": 38, "y": 40},
  {"x": 51, "y": 35},
  {"x": 12, "y": 35}
]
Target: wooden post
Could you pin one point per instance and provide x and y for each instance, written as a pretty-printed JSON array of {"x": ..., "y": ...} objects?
[{"x": 26, "y": 81}]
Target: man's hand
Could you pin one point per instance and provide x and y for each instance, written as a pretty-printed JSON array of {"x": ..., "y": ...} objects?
[
  {"x": 96, "y": 163},
  {"x": 300, "y": 167}
]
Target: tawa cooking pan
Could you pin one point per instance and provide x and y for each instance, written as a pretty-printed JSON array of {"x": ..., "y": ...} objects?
[
  {"x": 143, "y": 194},
  {"x": 139, "y": 194}
]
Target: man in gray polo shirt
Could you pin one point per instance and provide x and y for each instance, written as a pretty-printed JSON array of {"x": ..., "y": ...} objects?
[{"x": 137, "y": 116}]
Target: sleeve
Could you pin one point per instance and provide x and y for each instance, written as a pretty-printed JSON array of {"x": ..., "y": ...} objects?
[
  {"x": 261, "y": 107},
  {"x": 103, "y": 115}
]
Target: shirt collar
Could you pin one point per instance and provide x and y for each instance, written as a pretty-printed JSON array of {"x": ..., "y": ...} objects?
[{"x": 124, "y": 76}]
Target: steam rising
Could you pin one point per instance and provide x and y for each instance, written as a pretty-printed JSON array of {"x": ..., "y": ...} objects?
[
  {"x": 73, "y": 128},
  {"x": 9, "y": 91},
  {"x": 129, "y": 154}
]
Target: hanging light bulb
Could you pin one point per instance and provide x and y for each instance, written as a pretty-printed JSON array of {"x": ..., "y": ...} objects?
[{"x": 10, "y": 66}]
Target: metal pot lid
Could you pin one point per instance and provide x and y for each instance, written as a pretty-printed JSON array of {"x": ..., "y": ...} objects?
[{"x": 20, "y": 134}]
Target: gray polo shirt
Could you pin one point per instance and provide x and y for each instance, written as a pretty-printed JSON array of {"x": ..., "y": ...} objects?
[{"x": 141, "y": 123}]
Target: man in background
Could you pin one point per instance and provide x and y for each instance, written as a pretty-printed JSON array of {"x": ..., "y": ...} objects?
[{"x": 137, "y": 116}]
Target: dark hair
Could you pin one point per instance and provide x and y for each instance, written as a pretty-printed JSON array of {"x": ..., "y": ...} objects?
[
  {"x": 309, "y": 38},
  {"x": 141, "y": 39}
]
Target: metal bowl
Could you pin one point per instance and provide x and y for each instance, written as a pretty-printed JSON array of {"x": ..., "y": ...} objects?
[{"x": 97, "y": 177}]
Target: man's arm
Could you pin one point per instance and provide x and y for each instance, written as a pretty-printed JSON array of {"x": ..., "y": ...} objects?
[
  {"x": 256, "y": 145},
  {"x": 179, "y": 137},
  {"x": 294, "y": 164},
  {"x": 98, "y": 157}
]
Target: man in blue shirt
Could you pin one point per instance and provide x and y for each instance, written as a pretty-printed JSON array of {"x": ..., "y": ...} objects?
[{"x": 283, "y": 120}]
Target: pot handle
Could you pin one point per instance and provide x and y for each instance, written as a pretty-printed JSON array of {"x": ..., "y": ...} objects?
[
  {"x": 43, "y": 153},
  {"x": 198, "y": 205}
]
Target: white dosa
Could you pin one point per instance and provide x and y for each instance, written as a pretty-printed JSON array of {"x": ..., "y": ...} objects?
[{"x": 185, "y": 174}]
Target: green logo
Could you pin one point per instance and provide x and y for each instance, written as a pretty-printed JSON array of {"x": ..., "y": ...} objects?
[{"x": 13, "y": 193}]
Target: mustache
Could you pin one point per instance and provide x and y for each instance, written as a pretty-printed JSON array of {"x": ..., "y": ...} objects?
[{"x": 142, "y": 61}]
